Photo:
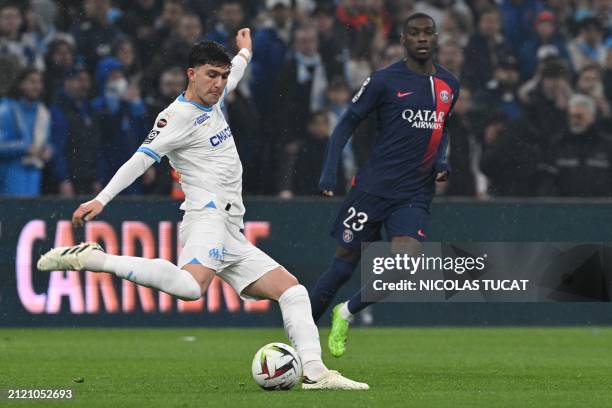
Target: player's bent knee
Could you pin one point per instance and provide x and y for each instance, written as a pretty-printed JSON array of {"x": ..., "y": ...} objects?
[{"x": 349, "y": 255}]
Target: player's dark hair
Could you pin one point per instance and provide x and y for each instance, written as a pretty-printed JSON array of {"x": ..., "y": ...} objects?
[
  {"x": 416, "y": 16},
  {"x": 208, "y": 52}
]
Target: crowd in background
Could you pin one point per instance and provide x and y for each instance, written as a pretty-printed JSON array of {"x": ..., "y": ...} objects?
[{"x": 82, "y": 82}]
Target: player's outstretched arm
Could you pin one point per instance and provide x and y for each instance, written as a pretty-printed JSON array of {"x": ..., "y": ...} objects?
[
  {"x": 126, "y": 175},
  {"x": 342, "y": 132},
  {"x": 242, "y": 59}
]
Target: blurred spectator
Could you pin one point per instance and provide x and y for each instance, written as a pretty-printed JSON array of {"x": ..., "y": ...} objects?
[
  {"x": 450, "y": 56},
  {"x": 338, "y": 97},
  {"x": 96, "y": 34},
  {"x": 465, "y": 152},
  {"x": 139, "y": 23},
  {"x": 545, "y": 36},
  {"x": 121, "y": 115},
  {"x": 332, "y": 42},
  {"x": 303, "y": 164},
  {"x": 24, "y": 136},
  {"x": 12, "y": 44},
  {"x": 391, "y": 54},
  {"x": 39, "y": 28},
  {"x": 59, "y": 60},
  {"x": 270, "y": 43},
  {"x": 456, "y": 26},
  {"x": 483, "y": 50},
  {"x": 511, "y": 157},
  {"x": 546, "y": 103},
  {"x": 607, "y": 76},
  {"x": 75, "y": 134},
  {"x": 582, "y": 160},
  {"x": 125, "y": 52},
  {"x": 157, "y": 180},
  {"x": 517, "y": 18},
  {"x": 587, "y": 48},
  {"x": 175, "y": 49},
  {"x": 589, "y": 82},
  {"x": 252, "y": 144},
  {"x": 230, "y": 18},
  {"x": 500, "y": 94},
  {"x": 300, "y": 88},
  {"x": 171, "y": 83}
]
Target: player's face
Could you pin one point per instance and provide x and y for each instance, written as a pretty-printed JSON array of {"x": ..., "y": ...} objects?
[
  {"x": 420, "y": 39},
  {"x": 208, "y": 82}
]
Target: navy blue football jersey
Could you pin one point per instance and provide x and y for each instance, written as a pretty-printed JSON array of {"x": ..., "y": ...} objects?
[{"x": 412, "y": 136}]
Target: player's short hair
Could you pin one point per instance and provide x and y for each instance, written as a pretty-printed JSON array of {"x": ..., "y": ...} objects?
[
  {"x": 415, "y": 16},
  {"x": 208, "y": 52}
]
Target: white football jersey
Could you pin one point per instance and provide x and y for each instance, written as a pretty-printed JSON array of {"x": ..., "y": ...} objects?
[{"x": 199, "y": 144}]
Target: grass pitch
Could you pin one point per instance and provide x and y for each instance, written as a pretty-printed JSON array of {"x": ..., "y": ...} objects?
[{"x": 191, "y": 367}]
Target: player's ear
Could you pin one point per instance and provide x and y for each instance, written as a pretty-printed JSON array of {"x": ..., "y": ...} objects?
[{"x": 190, "y": 73}]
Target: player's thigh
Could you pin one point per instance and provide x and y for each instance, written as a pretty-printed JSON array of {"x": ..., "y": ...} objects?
[
  {"x": 359, "y": 220},
  {"x": 271, "y": 285},
  {"x": 201, "y": 274},
  {"x": 246, "y": 265},
  {"x": 408, "y": 221},
  {"x": 204, "y": 236}
]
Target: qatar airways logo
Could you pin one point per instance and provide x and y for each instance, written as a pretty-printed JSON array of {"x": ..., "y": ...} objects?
[{"x": 424, "y": 118}]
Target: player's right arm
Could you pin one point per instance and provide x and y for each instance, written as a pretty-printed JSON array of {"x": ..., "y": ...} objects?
[
  {"x": 365, "y": 100},
  {"x": 126, "y": 175},
  {"x": 170, "y": 131}
]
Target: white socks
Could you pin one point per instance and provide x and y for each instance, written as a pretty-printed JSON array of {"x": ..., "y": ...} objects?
[
  {"x": 302, "y": 331},
  {"x": 345, "y": 312},
  {"x": 155, "y": 273}
]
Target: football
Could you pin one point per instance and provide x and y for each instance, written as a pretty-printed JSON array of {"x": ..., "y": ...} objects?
[{"x": 276, "y": 366}]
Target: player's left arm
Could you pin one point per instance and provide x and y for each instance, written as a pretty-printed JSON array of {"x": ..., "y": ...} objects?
[
  {"x": 241, "y": 60},
  {"x": 442, "y": 166}
]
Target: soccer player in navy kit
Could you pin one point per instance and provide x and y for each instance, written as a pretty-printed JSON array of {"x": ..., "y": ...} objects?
[{"x": 412, "y": 99}]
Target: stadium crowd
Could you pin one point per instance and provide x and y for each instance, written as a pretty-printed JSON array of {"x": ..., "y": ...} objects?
[{"x": 82, "y": 82}]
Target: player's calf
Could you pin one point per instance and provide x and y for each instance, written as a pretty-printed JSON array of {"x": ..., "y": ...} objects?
[{"x": 155, "y": 273}]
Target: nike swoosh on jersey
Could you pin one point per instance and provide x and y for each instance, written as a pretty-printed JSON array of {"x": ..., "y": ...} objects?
[{"x": 402, "y": 94}]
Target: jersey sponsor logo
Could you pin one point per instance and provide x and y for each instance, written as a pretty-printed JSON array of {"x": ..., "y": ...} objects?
[
  {"x": 201, "y": 119},
  {"x": 424, "y": 118},
  {"x": 445, "y": 96},
  {"x": 152, "y": 135},
  {"x": 217, "y": 139},
  {"x": 358, "y": 94},
  {"x": 401, "y": 94},
  {"x": 161, "y": 123}
]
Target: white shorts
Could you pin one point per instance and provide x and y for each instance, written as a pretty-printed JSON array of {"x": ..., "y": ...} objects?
[{"x": 210, "y": 239}]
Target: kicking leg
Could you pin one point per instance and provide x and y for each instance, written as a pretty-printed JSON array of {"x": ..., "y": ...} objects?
[
  {"x": 188, "y": 283},
  {"x": 339, "y": 272},
  {"x": 278, "y": 284}
]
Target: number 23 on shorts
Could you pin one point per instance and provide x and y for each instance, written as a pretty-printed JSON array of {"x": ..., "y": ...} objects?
[{"x": 355, "y": 220}]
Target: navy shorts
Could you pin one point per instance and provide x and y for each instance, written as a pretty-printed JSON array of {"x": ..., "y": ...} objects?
[{"x": 363, "y": 215}]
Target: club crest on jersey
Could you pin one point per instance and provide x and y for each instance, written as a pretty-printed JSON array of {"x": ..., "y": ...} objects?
[
  {"x": 445, "y": 96},
  {"x": 424, "y": 118},
  {"x": 347, "y": 235},
  {"x": 161, "y": 123},
  {"x": 152, "y": 134},
  {"x": 201, "y": 119}
]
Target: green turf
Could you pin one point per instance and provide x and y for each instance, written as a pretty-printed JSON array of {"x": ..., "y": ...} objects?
[{"x": 405, "y": 367}]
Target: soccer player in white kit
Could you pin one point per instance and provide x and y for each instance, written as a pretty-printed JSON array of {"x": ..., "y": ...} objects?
[{"x": 193, "y": 134}]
